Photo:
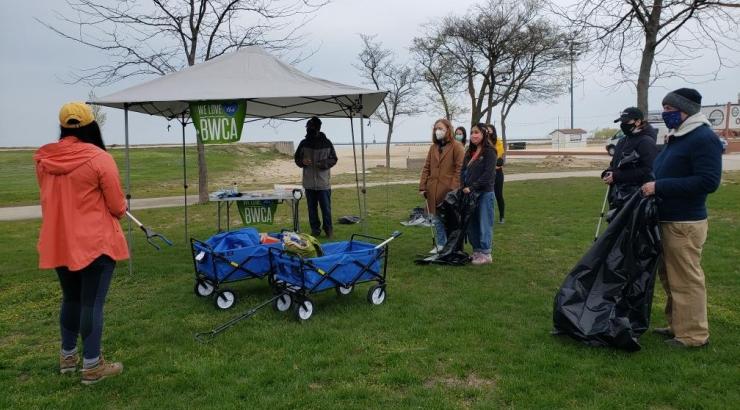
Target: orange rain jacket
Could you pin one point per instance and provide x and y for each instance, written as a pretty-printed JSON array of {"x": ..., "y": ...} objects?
[{"x": 81, "y": 202}]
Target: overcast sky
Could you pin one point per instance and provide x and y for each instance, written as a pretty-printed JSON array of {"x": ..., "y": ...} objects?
[{"x": 34, "y": 61}]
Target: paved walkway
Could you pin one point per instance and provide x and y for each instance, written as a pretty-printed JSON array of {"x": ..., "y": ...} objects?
[{"x": 34, "y": 211}]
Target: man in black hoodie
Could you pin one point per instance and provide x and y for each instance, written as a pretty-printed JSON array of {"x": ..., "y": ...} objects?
[
  {"x": 632, "y": 163},
  {"x": 316, "y": 155}
]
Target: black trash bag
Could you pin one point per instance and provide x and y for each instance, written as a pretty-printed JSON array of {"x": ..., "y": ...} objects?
[
  {"x": 455, "y": 213},
  {"x": 606, "y": 299},
  {"x": 348, "y": 220}
]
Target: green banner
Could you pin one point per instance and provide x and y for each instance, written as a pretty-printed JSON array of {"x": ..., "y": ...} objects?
[
  {"x": 218, "y": 122},
  {"x": 257, "y": 212}
]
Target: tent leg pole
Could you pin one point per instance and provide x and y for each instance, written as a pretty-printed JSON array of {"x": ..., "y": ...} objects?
[
  {"x": 185, "y": 178},
  {"x": 354, "y": 157},
  {"x": 364, "y": 185},
  {"x": 128, "y": 192}
]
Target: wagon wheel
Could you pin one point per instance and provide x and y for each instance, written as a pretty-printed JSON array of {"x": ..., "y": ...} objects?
[
  {"x": 225, "y": 299},
  {"x": 283, "y": 303},
  {"x": 203, "y": 287},
  {"x": 344, "y": 291},
  {"x": 376, "y": 294},
  {"x": 303, "y": 310}
]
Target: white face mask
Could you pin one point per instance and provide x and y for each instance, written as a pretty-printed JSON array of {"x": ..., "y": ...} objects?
[{"x": 439, "y": 134}]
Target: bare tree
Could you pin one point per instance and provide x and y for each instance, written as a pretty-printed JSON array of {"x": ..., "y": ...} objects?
[
  {"x": 436, "y": 68},
  {"x": 158, "y": 37},
  {"x": 537, "y": 66},
  {"x": 482, "y": 44},
  {"x": 664, "y": 35},
  {"x": 500, "y": 53},
  {"x": 98, "y": 113},
  {"x": 379, "y": 67}
]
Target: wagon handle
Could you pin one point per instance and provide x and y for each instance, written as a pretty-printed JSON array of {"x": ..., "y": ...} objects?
[
  {"x": 394, "y": 235},
  {"x": 205, "y": 337}
]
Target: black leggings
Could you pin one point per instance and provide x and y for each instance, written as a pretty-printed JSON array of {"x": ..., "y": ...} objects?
[
  {"x": 81, "y": 313},
  {"x": 498, "y": 190}
]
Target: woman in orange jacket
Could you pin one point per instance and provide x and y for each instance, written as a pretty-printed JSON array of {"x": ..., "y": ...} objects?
[{"x": 81, "y": 238}]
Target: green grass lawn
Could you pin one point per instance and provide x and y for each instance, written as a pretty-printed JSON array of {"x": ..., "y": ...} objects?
[{"x": 471, "y": 337}]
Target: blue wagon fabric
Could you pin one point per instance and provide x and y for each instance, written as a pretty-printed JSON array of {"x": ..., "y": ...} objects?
[
  {"x": 341, "y": 261},
  {"x": 242, "y": 247}
]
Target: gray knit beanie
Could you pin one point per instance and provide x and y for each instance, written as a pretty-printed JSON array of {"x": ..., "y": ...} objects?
[{"x": 685, "y": 100}]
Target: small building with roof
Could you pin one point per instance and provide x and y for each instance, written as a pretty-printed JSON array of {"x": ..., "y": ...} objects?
[{"x": 565, "y": 138}]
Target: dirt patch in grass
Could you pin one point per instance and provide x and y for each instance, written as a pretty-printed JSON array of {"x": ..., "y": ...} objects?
[
  {"x": 471, "y": 381},
  {"x": 568, "y": 161}
]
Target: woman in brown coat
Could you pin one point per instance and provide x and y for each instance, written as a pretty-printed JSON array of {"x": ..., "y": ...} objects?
[{"x": 441, "y": 173}]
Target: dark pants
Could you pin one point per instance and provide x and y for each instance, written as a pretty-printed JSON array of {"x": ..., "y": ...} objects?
[
  {"x": 498, "y": 190},
  {"x": 316, "y": 198},
  {"x": 84, "y": 294}
]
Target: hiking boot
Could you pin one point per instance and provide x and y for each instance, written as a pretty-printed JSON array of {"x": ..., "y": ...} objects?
[
  {"x": 663, "y": 331},
  {"x": 68, "y": 364},
  {"x": 673, "y": 342},
  {"x": 101, "y": 371}
]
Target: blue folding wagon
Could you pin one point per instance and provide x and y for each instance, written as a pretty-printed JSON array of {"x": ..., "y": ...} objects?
[
  {"x": 229, "y": 257},
  {"x": 342, "y": 266}
]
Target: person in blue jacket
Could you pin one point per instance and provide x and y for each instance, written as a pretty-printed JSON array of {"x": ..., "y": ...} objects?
[
  {"x": 476, "y": 175},
  {"x": 686, "y": 171}
]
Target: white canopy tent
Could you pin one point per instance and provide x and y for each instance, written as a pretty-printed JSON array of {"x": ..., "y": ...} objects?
[{"x": 272, "y": 89}]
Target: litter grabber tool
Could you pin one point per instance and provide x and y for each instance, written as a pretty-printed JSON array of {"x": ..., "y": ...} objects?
[
  {"x": 601, "y": 216},
  {"x": 633, "y": 157},
  {"x": 150, "y": 234},
  {"x": 433, "y": 226}
]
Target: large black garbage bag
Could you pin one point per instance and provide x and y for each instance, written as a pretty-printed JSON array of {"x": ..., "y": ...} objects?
[
  {"x": 605, "y": 300},
  {"x": 455, "y": 213}
]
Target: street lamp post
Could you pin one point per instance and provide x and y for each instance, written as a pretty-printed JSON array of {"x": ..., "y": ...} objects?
[{"x": 571, "y": 84}]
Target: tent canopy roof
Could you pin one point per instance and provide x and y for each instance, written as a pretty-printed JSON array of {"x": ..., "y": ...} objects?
[{"x": 272, "y": 89}]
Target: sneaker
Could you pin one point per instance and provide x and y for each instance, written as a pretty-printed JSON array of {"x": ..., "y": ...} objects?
[
  {"x": 673, "y": 342},
  {"x": 68, "y": 364},
  {"x": 501, "y": 221},
  {"x": 663, "y": 331},
  {"x": 437, "y": 249},
  {"x": 101, "y": 371},
  {"x": 481, "y": 259}
]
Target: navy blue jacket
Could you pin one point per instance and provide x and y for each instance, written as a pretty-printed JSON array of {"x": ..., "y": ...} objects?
[
  {"x": 478, "y": 175},
  {"x": 686, "y": 171}
]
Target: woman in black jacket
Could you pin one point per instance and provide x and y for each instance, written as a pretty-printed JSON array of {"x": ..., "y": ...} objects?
[{"x": 477, "y": 176}]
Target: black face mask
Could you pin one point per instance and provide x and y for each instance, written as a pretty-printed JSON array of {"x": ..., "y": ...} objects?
[{"x": 628, "y": 129}]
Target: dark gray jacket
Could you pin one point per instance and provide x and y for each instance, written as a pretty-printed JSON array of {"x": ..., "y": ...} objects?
[{"x": 320, "y": 151}]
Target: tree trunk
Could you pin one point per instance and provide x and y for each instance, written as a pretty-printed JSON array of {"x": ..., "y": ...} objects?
[
  {"x": 388, "y": 146},
  {"x": 503, "y": 131},
  {"x": 202, "y": 175},
  {"x": 648, "y": 57},
  {"x": 643, "y": 80}
]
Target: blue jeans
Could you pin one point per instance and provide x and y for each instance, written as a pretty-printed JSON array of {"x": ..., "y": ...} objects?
[
  {"x": 439, "y": 229},
  {"x": 480, "y": 227},
  {"x": 315, "y": 199},
  {"x": 83, "y": 298}
]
